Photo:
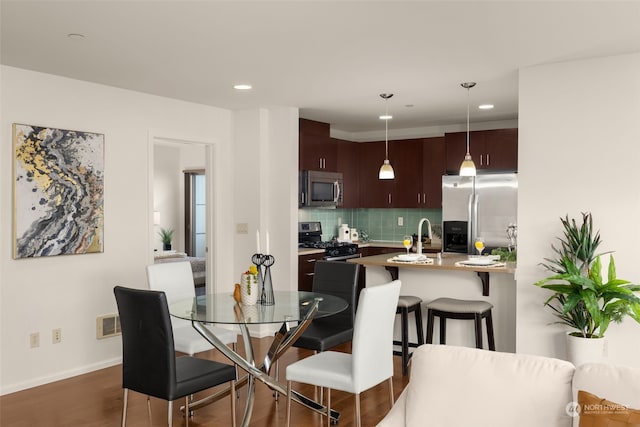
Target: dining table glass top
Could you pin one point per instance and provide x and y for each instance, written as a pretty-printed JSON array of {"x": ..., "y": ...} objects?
[{"x": 290, "y": 306}]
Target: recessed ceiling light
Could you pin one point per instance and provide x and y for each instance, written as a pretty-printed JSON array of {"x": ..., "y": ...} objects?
[
  {"x": 485, "y": 106},
  {"x": 386, "y": 117},
  {"x": 75, "y": 36},
  {"x": 242, "y": 86}
]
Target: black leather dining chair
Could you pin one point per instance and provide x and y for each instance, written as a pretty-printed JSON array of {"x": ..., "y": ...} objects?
[
  {"x": 149, "y": 362},
  {"x": 339, "y": 279}
]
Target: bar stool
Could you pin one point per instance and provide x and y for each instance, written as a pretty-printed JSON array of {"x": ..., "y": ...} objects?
[
  {"x": 450, "y": 308},
  {"x": 406, "y": 305}
]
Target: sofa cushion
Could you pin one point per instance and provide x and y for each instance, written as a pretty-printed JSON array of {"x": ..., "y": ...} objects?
[
  {"x": 618, "y": 384},
  {"x": 598, "y": 412},
  {"x": 459, "y": 387}
]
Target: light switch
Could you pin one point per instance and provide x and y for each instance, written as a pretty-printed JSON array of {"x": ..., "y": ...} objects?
[
  {"x": 242, "y": 228},
  {"x": 400, "y": 221}
]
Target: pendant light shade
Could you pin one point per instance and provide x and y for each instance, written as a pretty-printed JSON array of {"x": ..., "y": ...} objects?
[
  {"x": 468, "y": 168},
  {"x": 386, "y": 170}
]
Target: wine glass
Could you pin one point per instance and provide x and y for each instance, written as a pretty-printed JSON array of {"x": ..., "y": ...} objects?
[
  {"x": 479, "y": 244},
  {"x": 407, "y": 241}
]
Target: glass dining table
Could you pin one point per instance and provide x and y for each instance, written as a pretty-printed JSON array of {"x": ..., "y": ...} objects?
[{"x": 293, "y": 310}]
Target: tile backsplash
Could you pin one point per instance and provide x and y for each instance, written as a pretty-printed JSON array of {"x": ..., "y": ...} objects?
[{"x": 379, "y": 224}]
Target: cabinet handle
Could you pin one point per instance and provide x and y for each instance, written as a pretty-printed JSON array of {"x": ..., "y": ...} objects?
[
  {"x": 389, "y": 198},
  {"x": 312, "y": 260},
  {"x": 424, "y": 198},
  {"x": 309, "y": 274},
  {"x": 418, "y": 198},
  {"x": 488, "y": 162},
  {"x": 320, "y": 163}
]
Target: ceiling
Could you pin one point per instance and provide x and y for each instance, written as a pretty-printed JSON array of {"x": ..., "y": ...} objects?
[{"x": 331, "y": 59}]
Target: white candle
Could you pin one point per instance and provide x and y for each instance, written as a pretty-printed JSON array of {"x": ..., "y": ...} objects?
[
  {"x": 268, "y": 243},
  {"x": 257, "y": 241}
]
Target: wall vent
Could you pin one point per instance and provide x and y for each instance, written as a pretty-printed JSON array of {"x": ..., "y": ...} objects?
[{"x": 108, "y": 326}]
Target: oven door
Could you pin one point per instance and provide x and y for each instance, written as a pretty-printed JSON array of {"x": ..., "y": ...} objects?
[{"x": 341, "y": 257}]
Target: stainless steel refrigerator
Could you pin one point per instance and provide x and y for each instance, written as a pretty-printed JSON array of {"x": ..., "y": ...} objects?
[{"x": 485, "y": 204}]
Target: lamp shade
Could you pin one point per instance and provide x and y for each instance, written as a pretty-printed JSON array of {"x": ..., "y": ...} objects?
[
  {"x": 467, "y": 168},
  {"x": 386, "y": 171}
]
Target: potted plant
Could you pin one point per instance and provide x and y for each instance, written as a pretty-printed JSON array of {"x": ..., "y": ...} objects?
[
  {"x": 166, "y": 236},
  {"x": 581, "y": 299}
]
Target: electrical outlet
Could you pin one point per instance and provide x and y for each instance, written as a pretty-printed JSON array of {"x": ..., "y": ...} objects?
[
  {"x": 34, "y": 340},
  {"x": 242, "y": 228},
  {"x": 56, "y": 336},
  {"x": 400, "y": 221}
]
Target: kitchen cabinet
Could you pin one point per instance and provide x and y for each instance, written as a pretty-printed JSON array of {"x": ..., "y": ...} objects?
[
  {"x": 317, "y": 150},
  {"x": 418, "y": 165},
  {"x": 374, "y": 192},
  {"x": 495, "y": 150},
  {"x": 306, "y": 265},
  {"x": 348, "y": 165},
  {"x": 406, "y": 158},
  {"x": 433, "y": 167}
]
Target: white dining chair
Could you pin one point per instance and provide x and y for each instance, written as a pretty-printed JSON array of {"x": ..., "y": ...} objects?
[
  {"x": 371, "y": 358},
  {"x": 176, "y": 280}
]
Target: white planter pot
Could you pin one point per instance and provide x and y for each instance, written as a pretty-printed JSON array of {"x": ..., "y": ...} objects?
[
  {"x": 249, "y": 289},
  {"x": 586, "y": 350}
]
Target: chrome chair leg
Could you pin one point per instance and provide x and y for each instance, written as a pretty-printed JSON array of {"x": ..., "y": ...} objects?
[
  {"x": 391, "y": 398},
  {"x": 358, "y": 422},
  {"x": 233, "y": 402},
  {"x": 328, "y": 407},
  {"x": 288, "y": 403},
  {"x": 170, "y": 413},
  {"x": 125, "y": 399}
]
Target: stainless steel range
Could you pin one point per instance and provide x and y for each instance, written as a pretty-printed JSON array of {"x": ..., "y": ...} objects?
[{"x": 310, "y": 236}]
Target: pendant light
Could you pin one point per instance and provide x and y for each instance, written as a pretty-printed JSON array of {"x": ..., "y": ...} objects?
[
  {"x": 386, "y": 170},
  {"x": 468, "y": 168}
]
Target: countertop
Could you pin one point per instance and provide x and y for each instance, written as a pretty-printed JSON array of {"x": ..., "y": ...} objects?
[
  {"x": 448, "y": 263},
  {"x": 370, "y": 244}
]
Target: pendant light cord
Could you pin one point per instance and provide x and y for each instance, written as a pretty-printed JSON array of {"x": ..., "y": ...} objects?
[
  {"x": 468, "y": 89},
  {"x": 386, "y": 131}
]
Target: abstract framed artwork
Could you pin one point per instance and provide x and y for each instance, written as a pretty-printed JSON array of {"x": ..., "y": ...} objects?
[{"x": 58, "y": 183}]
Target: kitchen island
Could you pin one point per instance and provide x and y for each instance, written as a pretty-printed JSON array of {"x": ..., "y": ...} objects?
[
  {"x": 447, "y": 262},
  {"x": 450, "y": 279}
]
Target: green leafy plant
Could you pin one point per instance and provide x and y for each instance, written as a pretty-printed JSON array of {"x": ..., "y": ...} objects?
[
  {"x": 166, "y": 235},
  {"x": 505, "y": 255},
  {"x": 581, "y": 299}
]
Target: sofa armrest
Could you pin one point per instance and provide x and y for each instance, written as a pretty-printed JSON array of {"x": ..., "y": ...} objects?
[{"x": 395, "y": 417}]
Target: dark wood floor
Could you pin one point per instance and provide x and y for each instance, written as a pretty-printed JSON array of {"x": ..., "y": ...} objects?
[{"x": 95, "y": 400}]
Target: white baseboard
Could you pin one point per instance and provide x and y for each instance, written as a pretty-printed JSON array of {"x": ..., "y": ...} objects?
[{"x": 35, "y": 382}]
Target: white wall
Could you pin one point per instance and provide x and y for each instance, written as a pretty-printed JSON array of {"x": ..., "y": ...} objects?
[
  {"x": 266, "y": 188},
  {"x": 579, "y": 144},
  {"x": 69, "y": 292}
]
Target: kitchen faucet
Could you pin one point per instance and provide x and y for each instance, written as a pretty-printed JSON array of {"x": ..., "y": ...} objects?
[{"x": 419, "y": 243}]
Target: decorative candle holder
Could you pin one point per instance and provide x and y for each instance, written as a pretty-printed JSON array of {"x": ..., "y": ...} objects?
[
  {"x": 266, "y": 295},
  {"x": 257, "y": 260},
  {"x": 264, "y": 263}
]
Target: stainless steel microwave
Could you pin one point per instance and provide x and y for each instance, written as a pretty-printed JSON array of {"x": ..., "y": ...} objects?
[{"x": 319, "y": 189}]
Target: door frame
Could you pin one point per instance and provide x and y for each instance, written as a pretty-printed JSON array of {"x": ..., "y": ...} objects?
[{"x": 157, "y": 136}]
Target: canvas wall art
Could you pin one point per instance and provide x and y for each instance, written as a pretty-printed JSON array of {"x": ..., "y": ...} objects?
[{"x": 58, "y": 191}]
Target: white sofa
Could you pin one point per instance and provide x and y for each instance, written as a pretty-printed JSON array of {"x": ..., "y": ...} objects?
[{"x": 461, "y": 387}]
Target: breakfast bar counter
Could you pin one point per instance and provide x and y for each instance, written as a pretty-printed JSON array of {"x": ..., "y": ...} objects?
[{"x": 446, "y": 262}]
